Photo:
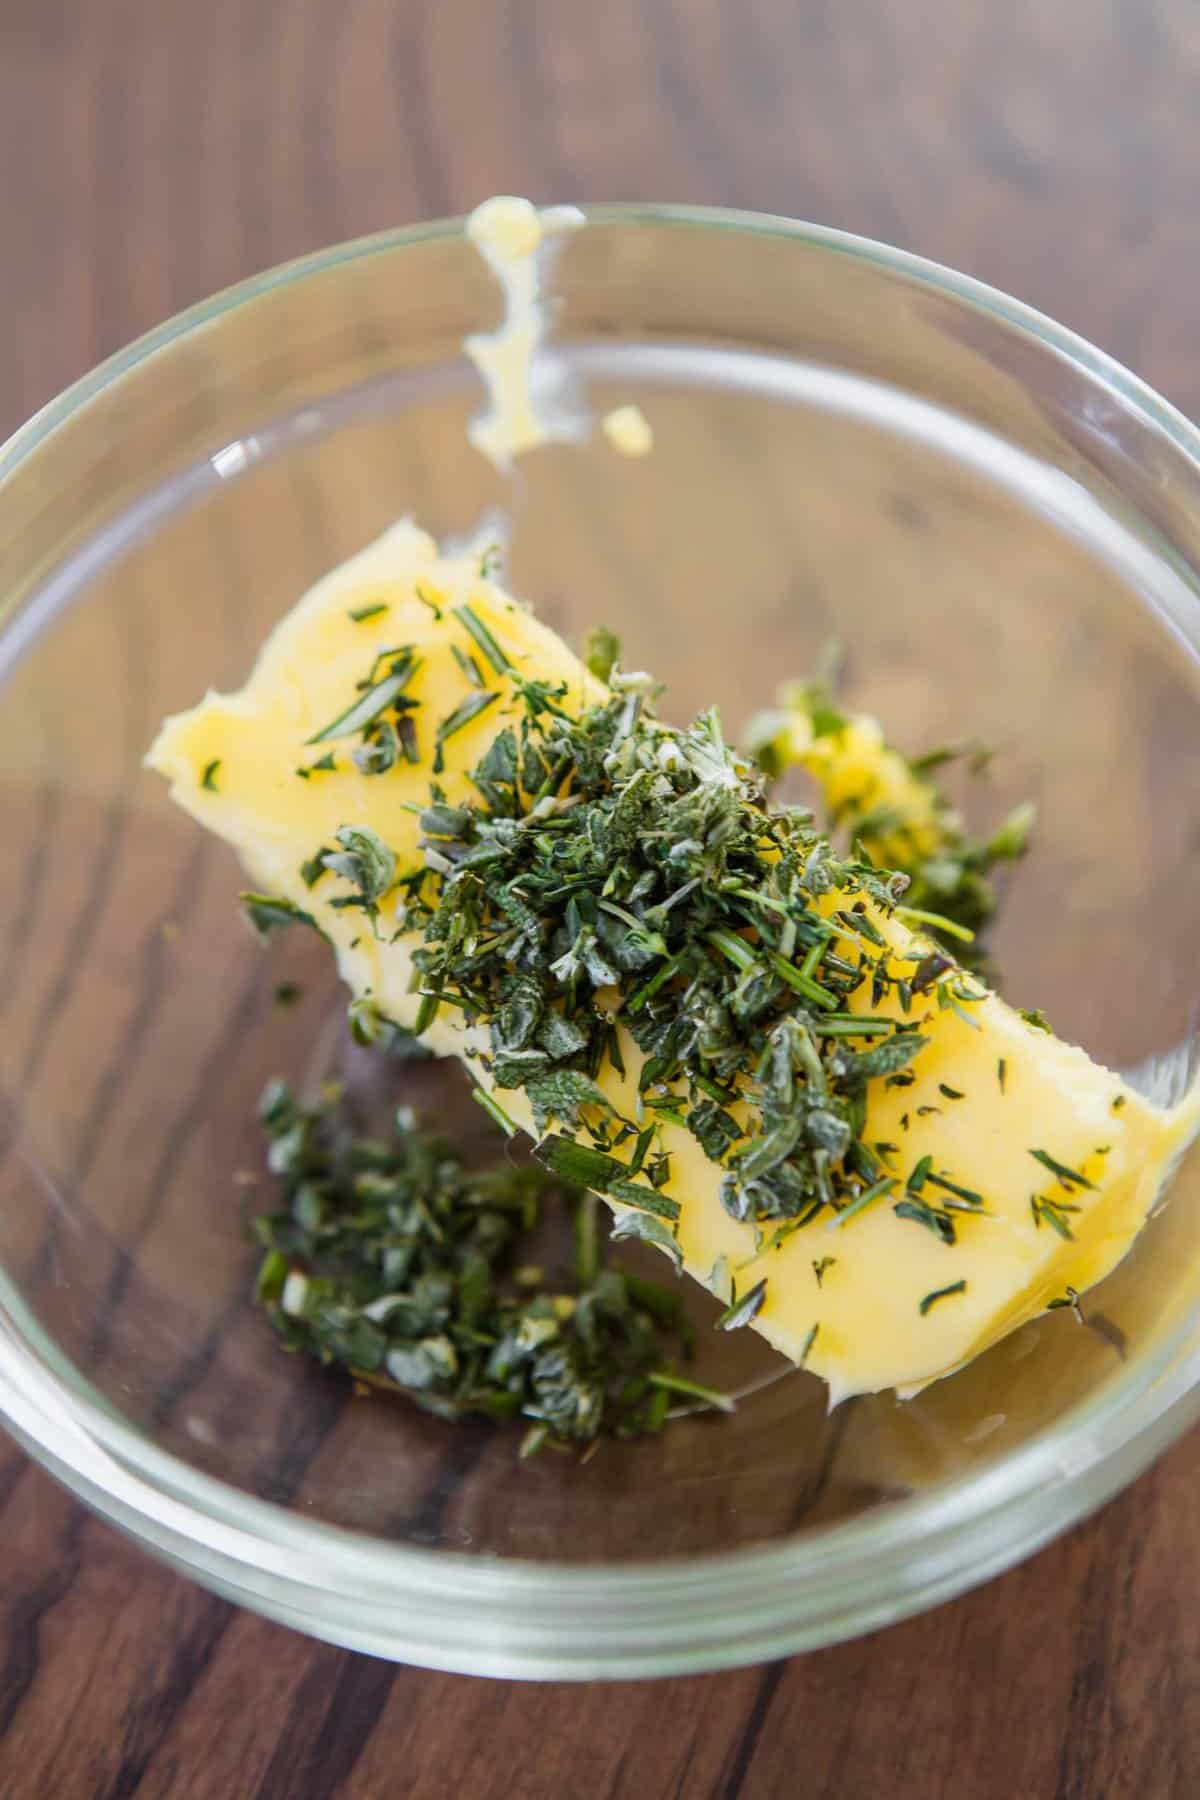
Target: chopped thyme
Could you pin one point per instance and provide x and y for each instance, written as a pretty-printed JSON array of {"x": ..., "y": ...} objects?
[
  {"x": 809, "y": 1341},
  {"x": 949, "y": 1092},
  {"x": 209, "y": 778},
  {"x": 1034, "y": 1016},
  {"x": 930, "y": 1300},
  {"x": 820, "y": 1266},
  {"x": 1118, "y": 1102},
  {"x": 1002, "y": 1073},
  {"x": 425, "y": 600},
  {"x": 360, "y": 614}
]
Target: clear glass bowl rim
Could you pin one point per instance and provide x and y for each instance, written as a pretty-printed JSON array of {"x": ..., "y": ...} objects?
[{"x": 541, "y": 1620}]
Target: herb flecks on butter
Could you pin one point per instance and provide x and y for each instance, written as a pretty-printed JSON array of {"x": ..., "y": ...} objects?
[{"x": 890, "y": 805}]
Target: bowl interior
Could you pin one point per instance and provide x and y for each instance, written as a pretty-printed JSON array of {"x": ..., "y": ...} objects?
[{"x": 998, "y": 540}]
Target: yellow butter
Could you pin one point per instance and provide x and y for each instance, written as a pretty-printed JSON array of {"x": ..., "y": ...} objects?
[{"x": 861, "y": 1283}]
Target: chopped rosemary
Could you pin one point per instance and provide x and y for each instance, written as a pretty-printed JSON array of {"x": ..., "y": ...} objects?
[
  {"x": 483, "y": 637},
  {"x": 1070, "y": 1178},
  {"x": 1054, "y": 1212},
  {"x": 741, "y": 1312},
  {"x": 360, "y": 614},
  {"x": 955, "y": 1287},
  {"x": 375, "y": 701}
]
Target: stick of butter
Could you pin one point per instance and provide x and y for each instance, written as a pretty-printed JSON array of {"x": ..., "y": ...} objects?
[{"x": 998, "y": 1107}]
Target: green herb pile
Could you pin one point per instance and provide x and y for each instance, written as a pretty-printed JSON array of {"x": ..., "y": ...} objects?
[
  {"x": 390, "y": 1258},
  {"x": 614, "y": 869}
]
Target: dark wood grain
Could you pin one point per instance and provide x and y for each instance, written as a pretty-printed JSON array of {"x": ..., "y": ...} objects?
[{"x": 155, "y": 151}]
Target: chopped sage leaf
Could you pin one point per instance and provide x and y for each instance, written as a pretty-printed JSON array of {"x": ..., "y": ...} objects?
[{"x": 271, "y": 913}]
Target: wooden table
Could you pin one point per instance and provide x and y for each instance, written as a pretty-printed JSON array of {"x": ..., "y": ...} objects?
[{"x": 154, "y": 151}]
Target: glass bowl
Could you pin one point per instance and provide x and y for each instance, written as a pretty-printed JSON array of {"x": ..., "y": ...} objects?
[{"x": 1003, "y": 529}]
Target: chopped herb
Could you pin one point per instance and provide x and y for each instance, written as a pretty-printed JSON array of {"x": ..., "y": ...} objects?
[
  {"x": 326, "y": 766},
  {"x": 1069, "y": 1177},
  {"x": 861, "y": 1201},
  {"x": 820, "y": 1266},
  {"x": 809, "y": 1341},
  {"x": 692, "y": 1390},
  {"x": 209, "y": 778},
  {"x": 426, "y": 600},
  {"x": 1071, "y": 1299},
  {"x": 1039, "y": 1021},
  {"x": 743, "y": 1311},
  {"x": 463, "y": 713},
  {"x": 932, "y": 1217},
  {"x": 1002, "y": 1073},
  {"x": 483, "y": 637},
  {"x": 968, "y": 1195},
  {"x": 287, "y": 993},
  {"x": 312, "y": 870},
  {"x": 602, "y": 651},
  {"x": 956, "y": 1287},
  {"x": 365, "y": 861},
  {"x": 376, "y": 700},
  {"x": 1118, "y": 1103},
  {"x": 392, "y": 1260},
  {"x": 920, "y": 1175},
  {"x": 950, "y": 1093},
  {"x": 495, "y": 1111},
  {"x": 469, "y": 667},
  {"x": 1054, "y": 1212},
  {"x": 360, "y": 614},
  {"x": 271, "y": 913}
]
